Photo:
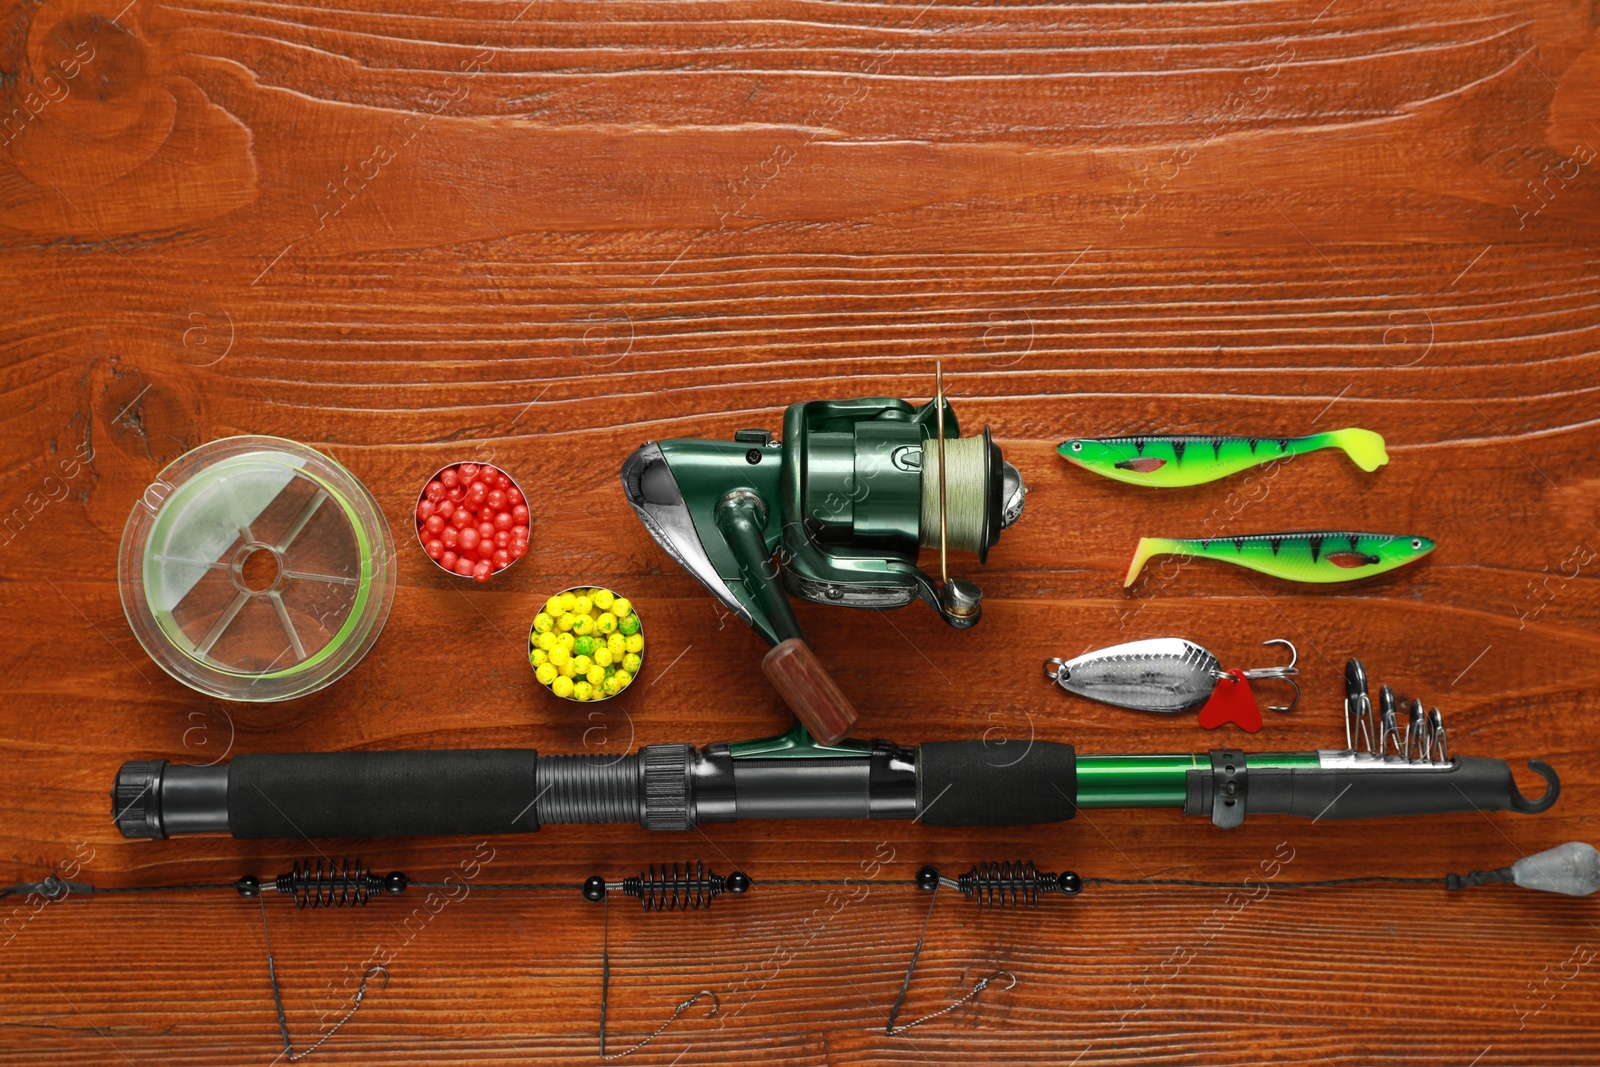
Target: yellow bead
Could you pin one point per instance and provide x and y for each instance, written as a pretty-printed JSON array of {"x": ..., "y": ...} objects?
[
  {"x": 596, "y": 675},
  {"x": 630, "y": 663},
  {"x": 582, "y": 605},
  {"x": 634, "y": 642},
  {"x": 606, "y": 623},
  {"x": 581, "y": 664},
  {"x": 543, "y": 622},
  {"x": 622, "y": 679},
  {"x": 565, "y": 621},
  {"x": 582, "y": 690},
  {"x": 546, "y": 641},
  {"x": 546, "y": 674},
  {"x": 602, "y": 656},
  {"x": 617, "y": 644},
  {"x": 568, "y": 601},
  {"x": 552, "y": 607},
  {"x": 568, "y": 670},
  {"x": 566, "y": 641},
  {"x": 562, "y": 687},
  {"x": 560, "y": 655},
  {"x": 538, "y": 657},
  {"x": 582, "y": 624},
  {"x": 603, "y": 599},
  {"x": 622, "y": 607},
  {"x": 610, "y": 686}
]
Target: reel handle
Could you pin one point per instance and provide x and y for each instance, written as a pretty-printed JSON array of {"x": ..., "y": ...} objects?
[{"x": 807, "y": 687}]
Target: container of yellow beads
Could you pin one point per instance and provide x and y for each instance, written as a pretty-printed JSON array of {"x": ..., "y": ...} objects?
[{"x": 586, "y": 644}]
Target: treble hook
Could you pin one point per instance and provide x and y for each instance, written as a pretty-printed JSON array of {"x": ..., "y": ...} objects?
[{"x": 1282, "y": 674}]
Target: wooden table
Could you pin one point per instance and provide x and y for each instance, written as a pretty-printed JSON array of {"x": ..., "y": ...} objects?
[{"x": 542, "y": 233}]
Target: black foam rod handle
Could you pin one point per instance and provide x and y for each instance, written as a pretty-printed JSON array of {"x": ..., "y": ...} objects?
[
  {"x": 383, "y": 794},
  {"x": 973, "y": 783}
]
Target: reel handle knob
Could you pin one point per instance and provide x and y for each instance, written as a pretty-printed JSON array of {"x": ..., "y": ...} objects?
[{"x": 808, "y": 689}]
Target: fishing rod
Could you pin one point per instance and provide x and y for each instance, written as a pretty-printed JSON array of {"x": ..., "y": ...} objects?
[{"x": 1382, "y": 771}]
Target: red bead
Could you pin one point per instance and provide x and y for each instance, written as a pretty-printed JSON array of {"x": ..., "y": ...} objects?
[
  {"x": 469, "y": 538},
  {"x": 496, "y": 499},
  {"x": 502, "y": 522},
  {"x": 486, "y": 547},
  {"x": 434, "y": 491},
  {"x": 502, "y": 538},
  {"x": 475, "y": 496},
  {"x": 514, "y": 495},
  {"x": 468, "y": 471},
  {"x": 435, "y": 524},
  {"x": 486, "y": 529},
  {"x": 449, "y": 477},
  {"x": 448, "y": 560},
  {"x": 444, "y": 508},
  {"x": 482, "y": 570},
  {"x": 461, "y": 518},
  {"x": 455, "y": 494},
  {"x": 519, "y": 514},
  {"x": 486, "y": 514},
  {"x": 502, "y": 481},
  {"x": 424, "y": 508},
  {"x": 464, "y": 567},
  {"x": 501, "y": 558},
  {"x": 520, "y": 531},
  {"x": 434, "y": 548},
  {"x": 518, "y": 549},
  {"x": 449, "y": 535},
  {"x": 486, "y": 475}
]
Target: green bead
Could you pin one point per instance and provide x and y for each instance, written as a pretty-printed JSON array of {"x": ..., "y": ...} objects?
[{"x": 629, "y": 625}]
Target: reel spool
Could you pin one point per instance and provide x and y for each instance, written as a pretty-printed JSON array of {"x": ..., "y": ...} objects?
[{"x": 846, "y": 501}]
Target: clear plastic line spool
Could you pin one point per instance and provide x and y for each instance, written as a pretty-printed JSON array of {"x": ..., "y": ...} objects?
[{"x": 256, "y": 569}]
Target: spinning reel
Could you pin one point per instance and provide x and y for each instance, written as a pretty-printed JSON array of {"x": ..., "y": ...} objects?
[{"x": 834, "y": 513}]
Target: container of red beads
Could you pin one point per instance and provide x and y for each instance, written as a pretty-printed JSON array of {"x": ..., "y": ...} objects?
[{"x": 472, "y": 520}]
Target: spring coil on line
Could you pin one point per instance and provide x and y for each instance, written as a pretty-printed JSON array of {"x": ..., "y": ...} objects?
[
  {"x": 327, "y": 884},
  {"x": 1008, "y": 884},
  {"x": 676, "y": 888}
]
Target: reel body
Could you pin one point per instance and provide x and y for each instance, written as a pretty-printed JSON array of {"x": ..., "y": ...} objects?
[{"x": 835, "y": 513}]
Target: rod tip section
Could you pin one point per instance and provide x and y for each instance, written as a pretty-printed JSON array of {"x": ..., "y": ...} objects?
[{"x": 1543, "y": 803}]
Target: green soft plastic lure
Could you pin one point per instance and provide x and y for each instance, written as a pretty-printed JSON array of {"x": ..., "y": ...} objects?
[
  {"x": 1175, "y": 460},
  {"x": 1301, "y": 556}
]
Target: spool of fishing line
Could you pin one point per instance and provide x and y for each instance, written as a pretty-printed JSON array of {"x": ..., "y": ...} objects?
[
  {"x": 967, "y": 492},
  {"x": 257, "y": 569}
]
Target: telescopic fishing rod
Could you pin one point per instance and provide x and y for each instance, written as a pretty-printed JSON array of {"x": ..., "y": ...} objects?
[{"x": 1383, "y": 770}]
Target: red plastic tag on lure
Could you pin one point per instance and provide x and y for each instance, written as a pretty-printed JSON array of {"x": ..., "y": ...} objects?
[{"x": 1232, "y": 701}]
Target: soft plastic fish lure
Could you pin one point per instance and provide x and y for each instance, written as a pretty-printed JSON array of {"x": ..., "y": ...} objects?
[
  {"x": 1300, "y": 556},
  {"x": 1175, "y": 460}
]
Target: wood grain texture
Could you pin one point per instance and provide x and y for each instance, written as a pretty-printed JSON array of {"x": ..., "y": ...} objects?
[{"x": 542, "y": 233}]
